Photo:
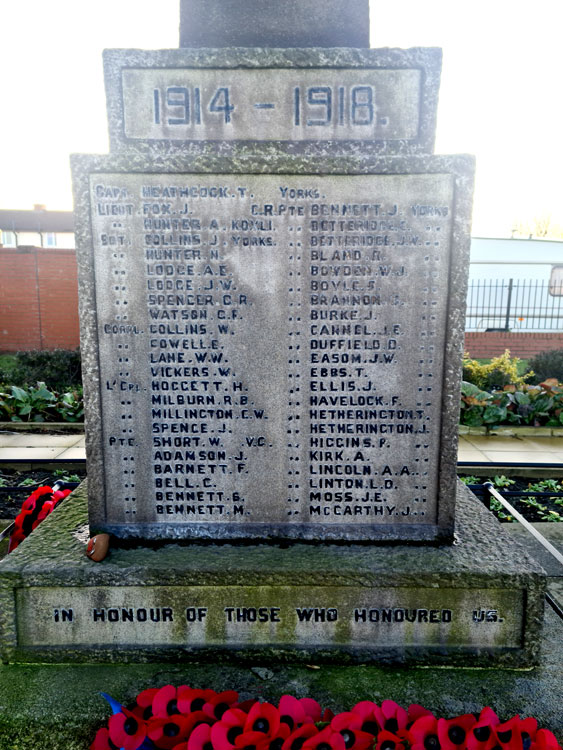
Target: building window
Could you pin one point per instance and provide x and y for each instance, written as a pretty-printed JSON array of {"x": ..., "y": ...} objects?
[
  {"x": 50, "y": 239},
  {"x": 8, "y": 239},
  {"x": 556, "y": 281}
]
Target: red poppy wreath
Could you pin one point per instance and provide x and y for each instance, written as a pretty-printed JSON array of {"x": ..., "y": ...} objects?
[{"x": 185, "y": 718}]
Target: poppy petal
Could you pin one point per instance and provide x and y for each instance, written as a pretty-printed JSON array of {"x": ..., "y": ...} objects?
[{"x": 126, "y": 731}]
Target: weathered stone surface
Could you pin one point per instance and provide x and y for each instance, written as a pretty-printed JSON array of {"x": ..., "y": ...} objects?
[
  {"x": 267, "y": 23},
  {"x": 272, "y": 356},
  {"x": 479, "y": 601},
  {"x": 323, "y": 102}
]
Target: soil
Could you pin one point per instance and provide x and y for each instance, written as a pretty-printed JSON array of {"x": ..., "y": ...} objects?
[
  {"x": 524, "y": 505},
  {"x": 12, "y": 494}
]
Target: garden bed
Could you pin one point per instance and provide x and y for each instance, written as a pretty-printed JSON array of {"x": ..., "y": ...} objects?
[
  {"x": 16, "y": 486},
  {"x": 539, "y": 506}
]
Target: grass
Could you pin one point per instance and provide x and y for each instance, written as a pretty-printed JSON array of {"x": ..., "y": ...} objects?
[{"x": 8, "y": 363}]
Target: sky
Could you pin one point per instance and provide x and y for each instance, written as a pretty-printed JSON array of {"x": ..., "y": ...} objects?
[{"x": 501, "y": 96}]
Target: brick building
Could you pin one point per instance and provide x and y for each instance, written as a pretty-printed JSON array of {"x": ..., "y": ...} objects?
[{"x": 38, "y": 280}]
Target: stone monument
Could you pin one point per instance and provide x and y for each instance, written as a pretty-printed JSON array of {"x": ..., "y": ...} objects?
[{"x": 272, "y": 280}]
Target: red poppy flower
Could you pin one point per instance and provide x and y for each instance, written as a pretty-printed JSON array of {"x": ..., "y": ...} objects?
[
  {"x": 415, "y": 711},
  {"x": 482, "y": 736},
  {"x": 528, "y": 729},
  {"x": 225, "y": 732},
  {"x": 192, "y": 699},
  {"x": 487, "y": 714},
  {"x": 126, "y": 731},
  {"x": 216, "y": 706},
  {"x": 350, "y": 727},
  {"x": 26, "y": 519},
  {"x": 31, "y": 501},
  {"x": 423, "y": 734},
  {"x": 388, "y": 741},
  {"x": 47, "y": 508},
  {"x": 102, "y": 741},
  {"x": 144, "y": 702},
  {"x": 297, "y": 738},
  {"x": 60, "y": 495},
  {"x": 508, "y": 734},
  {"x": 252, "y": 741},
  {"x": 292, "y": 712},
  {"x": 165, "y": 701},
  {"x": 263, "y": 717},
  {"x": 276, "y": 742},
  {"x": 545, "y": 740},
  {"x": 311, "y": 708},
  {"x": 346, "y": 719},
  {"x": 167, "y": 732},
  {"x": 371, "y": 714},
  {"x": 200, "y": 738},
  {"x": 452, "y": 733},
  {"x": 326, "y": 739},
  {"x": 391, "y": 717}
]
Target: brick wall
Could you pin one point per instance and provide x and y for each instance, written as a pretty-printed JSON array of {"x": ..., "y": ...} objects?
[
  {"x": 523, "y": 345},
  {"x": 38, "y": 299}
]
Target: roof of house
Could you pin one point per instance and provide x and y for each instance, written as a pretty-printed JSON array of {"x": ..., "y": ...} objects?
[{"x": 36, "y": 221}]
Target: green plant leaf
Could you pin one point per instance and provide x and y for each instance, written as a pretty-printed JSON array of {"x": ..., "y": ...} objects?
[
  {"x": 19, "y": 393},
  {"x": 43, "y": 393},
  {"x": 472, "y": 417},
  {"x": 471, "y": 391},
  {"x": 494, "y": 414}
]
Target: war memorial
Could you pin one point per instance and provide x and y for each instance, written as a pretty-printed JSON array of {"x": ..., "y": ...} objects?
[{"x": 273, "y": 269}]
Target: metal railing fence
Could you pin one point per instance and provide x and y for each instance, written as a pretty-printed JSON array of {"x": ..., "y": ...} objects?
[{"x": 514, "y": 305}]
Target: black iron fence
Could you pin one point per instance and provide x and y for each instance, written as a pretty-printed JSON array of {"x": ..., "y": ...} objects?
[{"x": 514, "y": 305}]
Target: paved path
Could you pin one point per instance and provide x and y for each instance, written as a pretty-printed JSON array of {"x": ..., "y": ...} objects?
[
  {"x": 17, "y": 446},
  {"x": 480, "y": 448}
]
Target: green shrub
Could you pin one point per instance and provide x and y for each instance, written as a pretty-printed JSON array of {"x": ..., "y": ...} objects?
[
  {"x": 535, "y": 405},
  {"x": 39, "y": 404},
  {"x": 28, "y": 405},
  {"x": 499, "y": 372},
  {"x": 547, "y": 365},
  {"x": 60, "y": 369}
]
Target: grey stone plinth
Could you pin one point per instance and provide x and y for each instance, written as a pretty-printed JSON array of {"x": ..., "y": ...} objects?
[
  {"x": 478, "y": 602},
  {"x": 271, "y": 101},
  {"x": 269, "y": 23}
]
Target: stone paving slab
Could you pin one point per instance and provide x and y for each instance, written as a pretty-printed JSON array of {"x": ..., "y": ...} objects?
[
  {"x": 33, "y": 440},
  {"x": 77, "y": 451},
  {"x": 12, "y": 453}
]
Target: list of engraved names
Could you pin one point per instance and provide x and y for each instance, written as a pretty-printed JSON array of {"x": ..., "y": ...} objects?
[{"x": 271, "y": 347}]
